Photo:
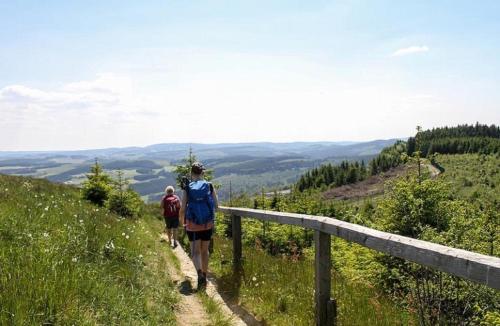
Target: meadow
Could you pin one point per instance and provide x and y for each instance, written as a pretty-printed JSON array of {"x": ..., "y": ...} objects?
[{"x": 65, "y": 261}]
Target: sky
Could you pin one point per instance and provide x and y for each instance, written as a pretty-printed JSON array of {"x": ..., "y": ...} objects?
[{"x": 96, "y": 74}]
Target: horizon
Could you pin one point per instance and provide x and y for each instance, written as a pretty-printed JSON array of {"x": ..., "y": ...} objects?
[
  {"x": 340, "y": 143},
  {"x": 82, "y": 75}
]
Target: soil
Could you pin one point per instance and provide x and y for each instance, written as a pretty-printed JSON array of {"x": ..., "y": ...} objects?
[{"x": 190, "y": 310}]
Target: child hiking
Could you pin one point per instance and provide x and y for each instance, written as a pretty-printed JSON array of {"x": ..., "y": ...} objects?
[
  {"x": 199, "y": 202},
  {"x": 171, "y": 206}
]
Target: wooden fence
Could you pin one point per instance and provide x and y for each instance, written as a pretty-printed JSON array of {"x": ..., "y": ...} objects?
[{"x": 465, "y": 264}]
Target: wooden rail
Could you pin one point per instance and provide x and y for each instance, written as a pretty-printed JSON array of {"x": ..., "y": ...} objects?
[{"x": 465, "y": 264}]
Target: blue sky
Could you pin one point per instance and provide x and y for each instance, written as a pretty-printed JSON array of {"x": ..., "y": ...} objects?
[{"x": 88, "y": 74}]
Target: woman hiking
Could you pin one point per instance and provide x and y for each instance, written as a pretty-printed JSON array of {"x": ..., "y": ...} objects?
[{"x": 197, "y": 214}]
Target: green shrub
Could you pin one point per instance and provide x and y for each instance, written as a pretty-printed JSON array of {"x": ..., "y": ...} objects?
[
  {"x": 123, "y": 200},
  {"x": 97, "y": 187}
]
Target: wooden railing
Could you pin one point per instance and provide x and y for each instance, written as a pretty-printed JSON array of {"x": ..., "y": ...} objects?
[{"x": 465, "y": 264}]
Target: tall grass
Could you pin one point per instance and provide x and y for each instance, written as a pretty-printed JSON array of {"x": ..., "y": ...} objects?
[
  {"x": 280, "y": 291},
  {"x": 64, "y": 261}
]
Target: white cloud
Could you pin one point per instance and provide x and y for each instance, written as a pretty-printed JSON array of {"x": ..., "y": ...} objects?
[
  {"x": 410, "y": 50},
  {"x": 105, "y": 90}
]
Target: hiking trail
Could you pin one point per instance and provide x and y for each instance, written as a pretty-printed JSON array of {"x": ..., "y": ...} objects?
[{"x": 190, "y": 310}]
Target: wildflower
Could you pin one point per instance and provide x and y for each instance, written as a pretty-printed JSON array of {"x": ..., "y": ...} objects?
[
  {"x": 126, "y": 237},
  {"x": 81, "y": 221},
  {"x": 29, "y": 235},
  {"x": 109, "y": 245},
  {"x": 75, "y": 216},
  {"x": 47, "y": 208},
  {"x": 74, "y": 260},
  {"x": 140, "y": 256},
  {"x": 45, "y": 235},
  {"x": 254, "y": 279},
  {"x": 123, "y": 234}
]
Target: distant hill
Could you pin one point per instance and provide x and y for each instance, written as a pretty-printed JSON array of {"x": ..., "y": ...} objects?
[{"x": 248, "y": 166}]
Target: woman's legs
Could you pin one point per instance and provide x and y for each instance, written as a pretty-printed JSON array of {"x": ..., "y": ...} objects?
[
  {"x": 196, "y": 254},
  {"x": 204, "y": 256}
]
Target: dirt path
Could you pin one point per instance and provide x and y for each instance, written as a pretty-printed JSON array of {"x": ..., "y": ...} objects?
[{"x": 190, "y": 310}]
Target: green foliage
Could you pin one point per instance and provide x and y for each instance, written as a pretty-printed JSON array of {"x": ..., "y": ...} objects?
[
  {"x": 98, "y": 185},
  {"x": 64, "y": 261},
  {"x": 184, "y": 170},
  {"x": 346, "y": 172},
  {"x": 280, "y": 290},
  {"x": 426, "y": 209},
  {"x": 410, "y": 206},
  {"x": 476, "y": 138},
  {"x": 123, "y": 200}
]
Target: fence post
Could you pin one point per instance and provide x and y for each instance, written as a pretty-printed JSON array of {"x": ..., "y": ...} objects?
[
  {"x": 322, "y": 278},
  {"x": 236, "y": 223}
]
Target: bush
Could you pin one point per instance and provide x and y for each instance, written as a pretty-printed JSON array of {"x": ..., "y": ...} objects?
[
  {"x": 97, "y": 187},
  {"x": 124, "y": 201}
]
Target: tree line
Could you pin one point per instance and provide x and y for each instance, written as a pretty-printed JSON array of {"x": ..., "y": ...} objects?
[
  {"x": 329, "y": 175},
  {"x": 478, "y": 138}
]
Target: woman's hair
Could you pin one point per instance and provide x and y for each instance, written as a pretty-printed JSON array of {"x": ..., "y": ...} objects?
[
  {"x": 197, "y": 168},
  {"x": 169, "y": 190}
]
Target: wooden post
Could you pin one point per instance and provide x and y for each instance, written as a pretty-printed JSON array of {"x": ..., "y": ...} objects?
[
  {"x": 236, "y": 222},
  {"x": 322, "y": 270}
]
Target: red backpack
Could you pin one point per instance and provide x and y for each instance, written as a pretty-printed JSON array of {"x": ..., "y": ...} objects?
[{"x": 171, "y": 206}]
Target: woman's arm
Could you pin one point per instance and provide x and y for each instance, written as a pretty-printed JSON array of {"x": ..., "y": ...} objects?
[
  {"x": 214, "y": 197},
  {"x": 182, "y": 212}
]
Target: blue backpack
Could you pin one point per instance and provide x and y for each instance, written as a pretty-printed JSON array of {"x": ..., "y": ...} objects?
[{"x": 200, "y": 204}]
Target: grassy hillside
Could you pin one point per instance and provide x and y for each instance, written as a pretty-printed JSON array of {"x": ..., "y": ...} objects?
[
  {"x": 63, "y": 261},
  {"x": 472, "y": 175}
]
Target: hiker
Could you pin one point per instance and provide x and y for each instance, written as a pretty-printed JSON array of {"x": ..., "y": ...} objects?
[
  {"x": 199, "y": 201},
  {"x": 171, "y": 206}
]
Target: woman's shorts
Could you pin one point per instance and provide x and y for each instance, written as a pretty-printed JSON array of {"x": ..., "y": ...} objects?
[
  {"x": 200, "y": 235},
  {"x": 172, "y": 222}
]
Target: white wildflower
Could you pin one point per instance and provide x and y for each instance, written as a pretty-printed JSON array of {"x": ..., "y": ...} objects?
[
  {"x": 254, "y": 279},
  {"x": 74, "y": 260},
  {"x": 47, "y": 208},
  {"x": 81, "y": 221},
  {"x": 126, "y": 237},
  {"x": 45, "y": 234}
]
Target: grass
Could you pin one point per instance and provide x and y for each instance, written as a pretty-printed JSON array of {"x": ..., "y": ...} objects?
[
  {"x": 280, "y": 291},
  {"x": 215, "y": 314},
  {"x": 472, "y": 176},
  {"x": 64, "y": 261}
]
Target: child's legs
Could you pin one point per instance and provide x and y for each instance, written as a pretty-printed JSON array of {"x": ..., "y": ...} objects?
[{"x": 175, "y": 233}]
